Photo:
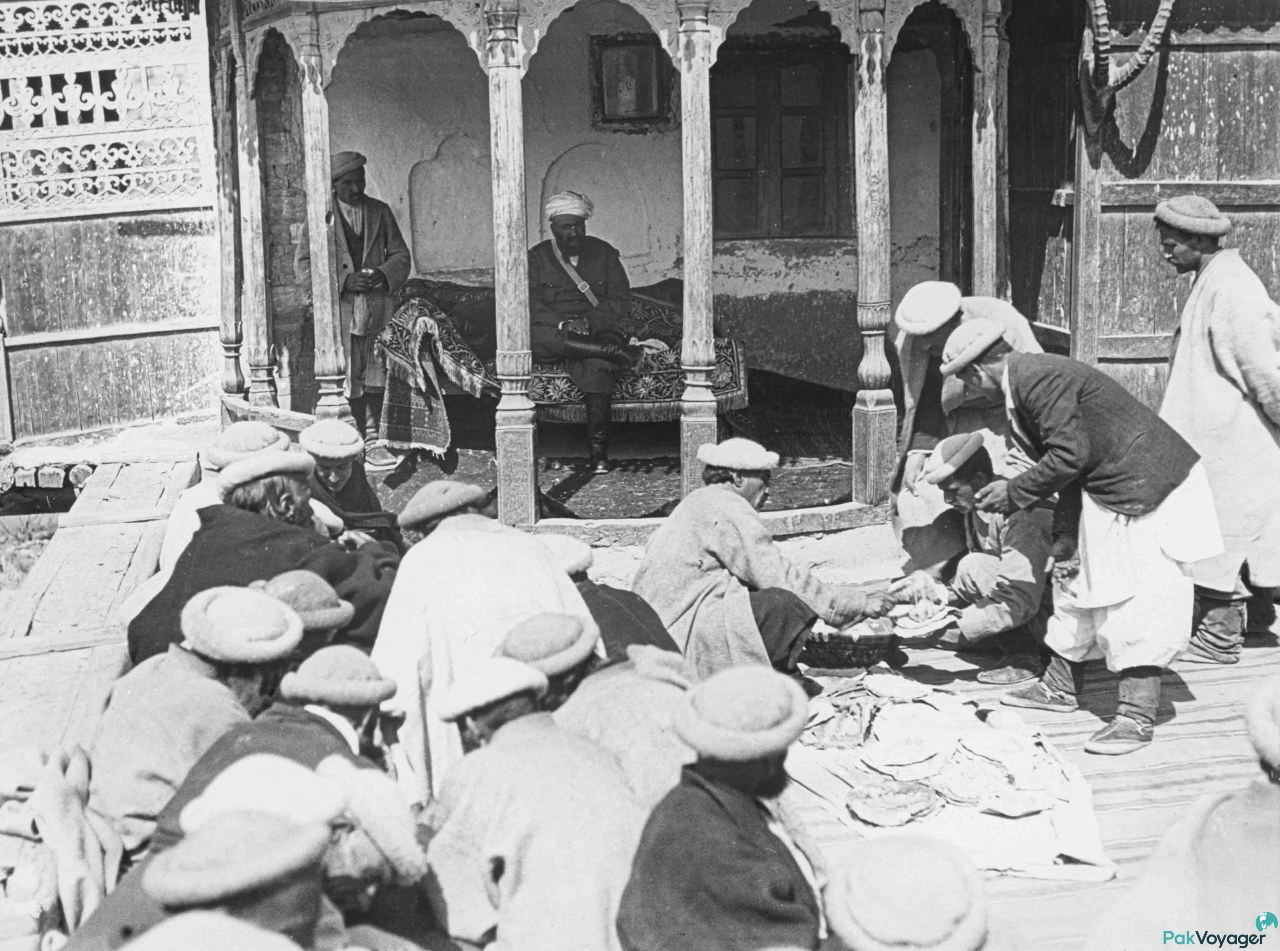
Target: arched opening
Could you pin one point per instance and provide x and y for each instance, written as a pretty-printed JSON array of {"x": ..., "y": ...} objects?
[{"x": 929, "y": 84}]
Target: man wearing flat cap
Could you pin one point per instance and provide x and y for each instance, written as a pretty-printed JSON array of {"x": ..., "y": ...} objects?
[
  {"x": 165, "y": 714},
  {"x": 373, "y": 261},
  {"x": 1133, "y": 510},
  {"x": 1223, "y": 396},
  {"x": 935, "y": 407},
  {"x": 578, "y": 297},
  {"x": 1001, "y": 582},
  {"x": 263, "y": 528},
  {"x": 716, "y": 870},
  {"x": 721, "y": 584},
  {"x": 339, "y": 482},
  {"x": 461, "y": 589},
  {"x": 534, "y": 832}
]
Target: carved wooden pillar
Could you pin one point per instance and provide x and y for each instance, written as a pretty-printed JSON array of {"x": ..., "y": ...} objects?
[
  {"x": 987, "y": 97},
  {"x": 515, "y": 433},
  {"x": 253, "y": 291},
  {"x": 330, "y": 356},
  {"x": 698, "y": 405},
  {"x": 875, "y": 418},
  {"x": 228, "y": 210}
]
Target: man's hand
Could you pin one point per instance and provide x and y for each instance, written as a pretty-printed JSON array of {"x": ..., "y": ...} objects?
[
  {"x": 575, "y": 326},
  {"x": 913, "y": 470},
  {"x": 361, "y": 282},
  {"x": 994, "y": 497},
  {"x": 917, "y": 586},
  {"x": 879, "y": 604},
  {"x": 1066, "y": 560}
]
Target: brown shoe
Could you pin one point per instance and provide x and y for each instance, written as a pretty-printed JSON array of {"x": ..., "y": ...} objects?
[
  {"x": 1122, "y": 735},
  {"x": 1040, "y": 696}
]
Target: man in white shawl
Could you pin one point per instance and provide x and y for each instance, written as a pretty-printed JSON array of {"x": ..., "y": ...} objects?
[
  {"x": 1223, "y": 397},
  {"x": 459, "y": 591},
  {"x": 935, "y": 407}
]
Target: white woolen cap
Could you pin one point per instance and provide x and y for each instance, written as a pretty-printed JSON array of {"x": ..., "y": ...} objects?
[
  {"x": 265, "y": 782},
  {"x": 331, "y": 440},
  {"x": 742, "y": 455},
  {"x": 496, "y": 679},
  {"x": 927, "y": 306}
]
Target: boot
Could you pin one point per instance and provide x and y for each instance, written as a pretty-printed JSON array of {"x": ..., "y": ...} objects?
[
  {"x": 1057, "y": 690},
  {"x": 1019, "y": 660},
  {"x": 1217, "y": 629},
  {"x": 583, "y": 348},
  {"x": 1134, "y": 724},
  {"x": 598, "y": 431}
]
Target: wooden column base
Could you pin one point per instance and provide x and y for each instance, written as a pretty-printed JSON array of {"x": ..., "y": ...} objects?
[
  {"x": 516, "y": 436},
  {"x": 330, "y": 403},
  {"x": 262, "y": 386},
  {"x": 697, "y": 426},
  {"x": 875, "y": 445}
]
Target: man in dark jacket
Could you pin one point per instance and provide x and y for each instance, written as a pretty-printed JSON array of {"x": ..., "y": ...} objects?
[
  {"x": 579, "y": 296},
  {"x": 262, "y": 529},
  {"x": 1133, "y": 508},
  {"x": 715, "y": 870}
]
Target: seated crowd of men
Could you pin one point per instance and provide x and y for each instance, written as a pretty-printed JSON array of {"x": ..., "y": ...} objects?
[{"x": 345, "y": 729}]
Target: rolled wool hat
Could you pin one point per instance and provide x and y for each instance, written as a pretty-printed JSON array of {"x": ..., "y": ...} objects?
[
  {"x": 968, "y": 342},
  {"x": 952, "y": 453},
  {"x": 263, "y": 464},
  {"x": 927, "y": 306},
  {"x": 1262, "y": 718},
  {"x": 209, "y": 931},
  {"x": 331, "y": 440},
  {"x": 495, "y": 679},
  {"x": 742, "y": 713},
  {"x": 375, "y": 803},
  {"x": 234, "y": 853},
  {"x": 1194, "y": 215},
  {"x": 569, "y": 203},
  {"x": 551, "y": 643},
  {"x": 240, "y": 440},
  {"x": 265, "y": 782},
  {"x": 340, "y": 163},
  {"x": 571, "y": 554},
  {"x": 743, "y": 455},
  {"x": 239, "y": 626},
  {"x": 439, "y": 498},
  {"x": 908, "y": 893},
  {"x": 338, "y": 676},
  {"x": 312, "y": 598}
]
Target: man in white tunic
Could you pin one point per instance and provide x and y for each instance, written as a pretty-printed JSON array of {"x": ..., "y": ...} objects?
[
  {"x": 533, "y": 834},
  {"x": 1223, "y": 396},
  {"x": 1134, "y": 511},
  {"x": 459, "y": 591}
]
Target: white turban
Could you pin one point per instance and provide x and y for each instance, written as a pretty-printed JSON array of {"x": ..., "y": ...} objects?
[{"x": 569, "y": 203}]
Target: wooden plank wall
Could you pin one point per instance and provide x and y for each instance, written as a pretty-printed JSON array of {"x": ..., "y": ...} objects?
[{"x": 110, "y": 319}]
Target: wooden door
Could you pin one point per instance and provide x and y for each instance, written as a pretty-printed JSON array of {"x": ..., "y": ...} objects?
[{"x": 1201, "y": 119}]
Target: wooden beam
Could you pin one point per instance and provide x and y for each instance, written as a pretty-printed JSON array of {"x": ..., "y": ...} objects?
[
  {"x": 1084, "y": 293},
  {"x": 330, "y": 368},
  {"x": 253, "y": 289},
  {"x": 57, "y": 338},
  {"x": 288, "y": 420},
  {"x": 875, "y": 418},
  {"x": 116, "y": 517},
  {"x": 229, "y": 327},
  {"x": 53, "y": 644},
  {"x": 986, "y": 158},
  {"x": 1148, "y": 194},
  {"x": 515, "y": 430},
  {"x": 1147, "y": 348},
  {"x": 698, "y": 405}
]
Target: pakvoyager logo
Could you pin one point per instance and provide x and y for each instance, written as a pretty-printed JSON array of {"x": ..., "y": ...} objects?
[{"x": 1212, "y": 939}]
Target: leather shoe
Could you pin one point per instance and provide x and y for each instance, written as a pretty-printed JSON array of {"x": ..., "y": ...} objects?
[
  {"x": 1122, "y": 735},
  {"x": 1039, "y": 696},
  {"x": 1011, "y": 670}
]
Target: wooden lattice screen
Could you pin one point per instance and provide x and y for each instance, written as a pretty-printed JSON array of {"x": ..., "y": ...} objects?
[{"x": 104, "y": 108}]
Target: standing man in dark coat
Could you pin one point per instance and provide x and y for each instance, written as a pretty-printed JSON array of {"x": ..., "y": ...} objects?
[
  {"x": 263, "y": 529},
  {"x": 715, "y": 869},
  {"x": 1134, "y": 512},
  {"x": 579, "y": 296}
]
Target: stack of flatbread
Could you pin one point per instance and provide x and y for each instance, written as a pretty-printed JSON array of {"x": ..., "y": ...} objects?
[{"x": 882, "y": 801}]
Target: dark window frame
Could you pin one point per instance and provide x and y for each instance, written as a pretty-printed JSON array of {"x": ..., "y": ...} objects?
[
  {"x": 764, "y": 64},
  {"x": 663, "y": 74}
]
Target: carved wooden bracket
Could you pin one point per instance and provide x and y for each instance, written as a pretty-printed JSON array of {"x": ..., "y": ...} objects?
[{"x": 1100, "y": 78}]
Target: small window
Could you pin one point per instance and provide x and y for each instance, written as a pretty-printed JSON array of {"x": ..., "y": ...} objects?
[
  {"x": 631, "y": 82},
  {"x": 777, "y": 128}
]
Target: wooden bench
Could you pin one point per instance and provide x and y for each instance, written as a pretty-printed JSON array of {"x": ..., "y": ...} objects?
[{"x": 59, "y": 651}]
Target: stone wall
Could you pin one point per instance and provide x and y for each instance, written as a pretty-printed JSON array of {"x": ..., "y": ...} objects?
[{"x": 288, "y": 301}]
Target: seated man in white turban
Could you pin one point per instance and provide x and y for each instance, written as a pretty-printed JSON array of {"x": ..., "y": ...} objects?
[
  {"x": 578, "y": 297},
  {"x": 373, "y": 261}
]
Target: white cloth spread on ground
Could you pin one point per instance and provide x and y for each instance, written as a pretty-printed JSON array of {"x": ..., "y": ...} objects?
[
  {"x": 1223, "y": 397},
  {"x": 457, "y": 594},
  {"x": 1132, "y": 600}
]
